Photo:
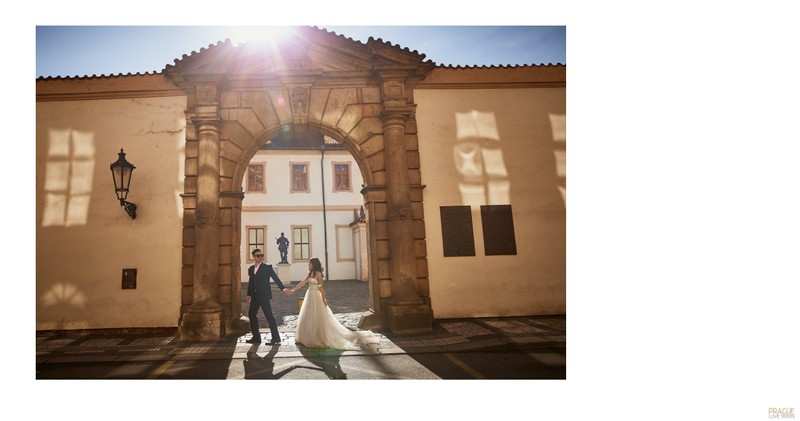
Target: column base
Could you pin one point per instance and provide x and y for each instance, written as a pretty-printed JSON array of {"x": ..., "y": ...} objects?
[
  {"x": 205, "y": 326},
  {"x": 408, "y": 319}
]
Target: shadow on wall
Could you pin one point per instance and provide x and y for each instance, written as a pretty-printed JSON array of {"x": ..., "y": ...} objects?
[
  {"x": 558, "y": 123},
  {"x": 64, "y": 298},
  {"x": 66, "y": 194},
  {"x": 68, "y": 178},
  {"x": 479, "y": 160},
  {"x": 478, "y": 156}
]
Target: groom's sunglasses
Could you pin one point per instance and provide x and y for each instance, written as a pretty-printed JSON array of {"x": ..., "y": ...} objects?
[{"x": 258, "y": 255}]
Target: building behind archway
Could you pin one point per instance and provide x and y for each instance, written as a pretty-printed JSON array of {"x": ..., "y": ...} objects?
[{"x": 307, "y": 187}]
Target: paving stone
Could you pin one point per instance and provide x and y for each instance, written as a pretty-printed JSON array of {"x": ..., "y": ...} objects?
[
  {"x": 513, "y": 326},
  {"x": 553, "y": 323},
  {"x": 529, "y": 342},
  {"x": 465, "y": 328},
  {"x": 150, "y": 356},
  {"x": 100, "y": 343},
  {"x": 493, "y": 344},
  {"x": 82, "y": 359},
  {"x": 153, "y": 341}
]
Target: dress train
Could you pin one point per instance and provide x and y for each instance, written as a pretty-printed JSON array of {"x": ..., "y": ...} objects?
[{"x": 317, "y": 327}]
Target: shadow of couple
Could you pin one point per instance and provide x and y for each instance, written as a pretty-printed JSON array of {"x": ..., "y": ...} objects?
[{"x": 325, "y": 360}]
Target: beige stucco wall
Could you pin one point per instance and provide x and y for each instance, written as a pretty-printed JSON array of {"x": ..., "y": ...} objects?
[
  {"x": 84, "y": 238},
  {"x": 519, "y": 138}
]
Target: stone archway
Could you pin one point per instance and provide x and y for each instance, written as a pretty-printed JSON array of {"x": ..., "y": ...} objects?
[{"x": 360, "y": 94}]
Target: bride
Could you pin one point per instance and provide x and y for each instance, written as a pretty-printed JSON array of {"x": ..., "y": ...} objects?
[{"x": 317, "y": 327}]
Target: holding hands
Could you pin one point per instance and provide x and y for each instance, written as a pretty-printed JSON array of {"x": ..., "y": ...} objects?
[{"x": 287, "y": 291}]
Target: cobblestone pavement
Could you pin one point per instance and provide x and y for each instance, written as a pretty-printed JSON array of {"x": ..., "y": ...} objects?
[{"x": 348, "y": 299}]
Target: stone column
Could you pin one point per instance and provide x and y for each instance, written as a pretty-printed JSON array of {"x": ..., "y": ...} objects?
[
  {"x": 204, "y": 321},
  {"x": 360, "y": 240},
  {"x": 408, "y": 313}
]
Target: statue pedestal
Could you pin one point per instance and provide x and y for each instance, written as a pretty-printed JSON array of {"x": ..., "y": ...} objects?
[{"x": 285, "y": 273}]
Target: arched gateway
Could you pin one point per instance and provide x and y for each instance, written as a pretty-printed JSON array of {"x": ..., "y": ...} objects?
[{"x": 241, "y": 96}]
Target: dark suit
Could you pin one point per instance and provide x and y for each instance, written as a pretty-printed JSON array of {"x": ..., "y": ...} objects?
[{"x": 260, "y": 292}]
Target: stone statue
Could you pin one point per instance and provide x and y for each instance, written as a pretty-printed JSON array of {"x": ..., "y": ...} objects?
[
  {"x": 283, "y": 247},
  {"x": 359, "y": 217}
]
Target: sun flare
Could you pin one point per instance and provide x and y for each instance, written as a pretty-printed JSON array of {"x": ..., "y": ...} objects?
[{"x": 259, "y": 35}]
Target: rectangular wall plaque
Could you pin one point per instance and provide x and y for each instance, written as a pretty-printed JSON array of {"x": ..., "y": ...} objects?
[
  {"x": 457, "y": 237},
  {"x": 129, "y": 278},
  {"x": 498, "y": 230}
]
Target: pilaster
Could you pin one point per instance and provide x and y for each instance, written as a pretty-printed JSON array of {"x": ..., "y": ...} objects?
[
  {"x": 203, "y": 321},
  {"x": 407, "y": 312}
]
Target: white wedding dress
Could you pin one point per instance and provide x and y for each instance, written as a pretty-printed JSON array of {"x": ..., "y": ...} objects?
[{"x": 317, "y": 327}]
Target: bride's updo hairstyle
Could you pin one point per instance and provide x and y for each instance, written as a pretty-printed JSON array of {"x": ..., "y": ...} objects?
[{"x": 316, "y": 265}]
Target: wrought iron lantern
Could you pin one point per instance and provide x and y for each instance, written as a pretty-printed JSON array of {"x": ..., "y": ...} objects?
[{"x": 122, "y": 170}]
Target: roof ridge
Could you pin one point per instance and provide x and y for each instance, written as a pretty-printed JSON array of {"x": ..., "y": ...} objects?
[
  {"x": 219, "y": 44},
  {"x": 335, "y": 34},
  {"x": 101, "y": 76},
  {"x": 498, "y": 66},
  {"x": 398, "y": 46}
]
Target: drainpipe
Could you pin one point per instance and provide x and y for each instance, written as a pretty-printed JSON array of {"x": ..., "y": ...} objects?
[{"x": 324, "y": 213}]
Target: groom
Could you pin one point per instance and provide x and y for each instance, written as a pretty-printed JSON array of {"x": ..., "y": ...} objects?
[{"x": 259, "y": 293}]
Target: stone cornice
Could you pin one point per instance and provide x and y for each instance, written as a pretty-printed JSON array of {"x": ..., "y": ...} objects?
[
  {"x": 491, "y": 85},
  {"x": 86, "y": 96},
  {"x": 495, "y": 78},
  {"x": 141, "y": 86}
]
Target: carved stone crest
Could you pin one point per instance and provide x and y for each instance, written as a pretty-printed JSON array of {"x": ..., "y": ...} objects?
[
  {"x": 299, "y": 98},
  {"x": 207, "y": 93},
  {"x": 398, "y": 212},
  {"x": 204, "y": 218}
]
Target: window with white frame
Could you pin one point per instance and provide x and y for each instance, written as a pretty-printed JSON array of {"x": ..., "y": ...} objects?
[
  {"x": 255, "y": 240},
  {"x": 301, "y": 244}
]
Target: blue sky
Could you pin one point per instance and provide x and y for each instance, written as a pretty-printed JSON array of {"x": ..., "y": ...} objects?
[{"x": 108, "y": 50}]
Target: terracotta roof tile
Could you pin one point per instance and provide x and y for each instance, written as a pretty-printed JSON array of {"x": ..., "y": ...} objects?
[
  {"x": 301, "y": 139},
  {"x": 378, "y": 40},
  {"x": 500, "y": 66},
  {"x": 99, "y": 77},
  {"x": 223, "y": 43}
]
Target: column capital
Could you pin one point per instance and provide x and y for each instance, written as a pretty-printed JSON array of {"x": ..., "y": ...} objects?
[
  {"x": 204, "y": 123},
  {"x": 396, "y": 115}
]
